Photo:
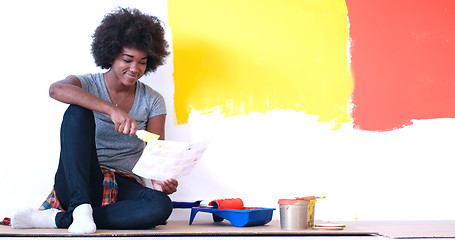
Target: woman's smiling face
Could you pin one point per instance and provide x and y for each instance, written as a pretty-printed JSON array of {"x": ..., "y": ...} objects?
[{"x": 129, "y": 65}]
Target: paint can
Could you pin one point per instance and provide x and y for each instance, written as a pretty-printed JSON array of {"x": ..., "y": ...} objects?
[
  {"x": 311, "y": 213},
  {"x": 294, "y": 214},
  {"x": 311, "y": 209}
]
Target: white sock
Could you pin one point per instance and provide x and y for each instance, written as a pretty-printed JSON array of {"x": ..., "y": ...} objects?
[
  {"x": 32, "y": 218},
  {"x": 83, "y": 222}
]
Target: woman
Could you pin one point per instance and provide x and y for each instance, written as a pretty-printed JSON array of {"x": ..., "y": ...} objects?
[{"x": 98, "y": 143}]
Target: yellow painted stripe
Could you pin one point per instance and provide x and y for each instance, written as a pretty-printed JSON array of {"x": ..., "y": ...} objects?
[{"x": 241, "y": 56}]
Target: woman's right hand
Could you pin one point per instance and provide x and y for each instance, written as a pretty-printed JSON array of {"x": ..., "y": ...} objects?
[{"x": 123, "y": 122}]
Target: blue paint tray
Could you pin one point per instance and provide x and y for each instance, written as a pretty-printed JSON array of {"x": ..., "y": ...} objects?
[{"x": 238, "y": 217}]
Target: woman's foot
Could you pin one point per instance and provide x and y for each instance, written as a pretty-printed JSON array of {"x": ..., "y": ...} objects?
[
  {"x": 32, "y": 218},
  {"x": 83, "y": 222}
]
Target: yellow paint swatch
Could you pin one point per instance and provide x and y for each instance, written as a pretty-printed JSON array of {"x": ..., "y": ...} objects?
[{"x": 241, "y": 56}]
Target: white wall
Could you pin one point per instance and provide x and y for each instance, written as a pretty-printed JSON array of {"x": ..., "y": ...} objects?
[{"x": 396, "y": 175}]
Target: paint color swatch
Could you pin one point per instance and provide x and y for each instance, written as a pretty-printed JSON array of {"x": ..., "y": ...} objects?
[
  {"x": 403, "y": 61},
  {"x": 242, "y": 56}
]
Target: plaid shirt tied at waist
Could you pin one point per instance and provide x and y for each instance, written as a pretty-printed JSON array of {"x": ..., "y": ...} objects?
[{"x": 110, "y": 190}]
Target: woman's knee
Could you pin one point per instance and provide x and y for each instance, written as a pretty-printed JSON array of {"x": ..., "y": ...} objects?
[
  {"x": 159, "y": 209},
  {"x": 75, "y": 113},
  {"x": 163, "y": 206},
  {"x": 77, "y": 117}
]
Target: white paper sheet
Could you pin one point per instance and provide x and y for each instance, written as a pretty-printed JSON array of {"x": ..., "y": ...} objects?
[{"x": 162, "y": 160}]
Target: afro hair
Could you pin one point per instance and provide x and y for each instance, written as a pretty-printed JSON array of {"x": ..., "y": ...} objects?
[{"x": 130, "y": 28}]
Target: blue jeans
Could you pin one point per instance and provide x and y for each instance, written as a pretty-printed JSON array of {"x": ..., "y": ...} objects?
[{"x": 79, "y": 180}]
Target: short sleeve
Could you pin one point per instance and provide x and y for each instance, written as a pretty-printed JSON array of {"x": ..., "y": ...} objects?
[{"x": 158, "y": 105}]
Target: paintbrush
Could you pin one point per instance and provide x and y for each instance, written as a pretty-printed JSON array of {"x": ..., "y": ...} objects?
[
  {"x": 310, "y": 198},
  {"x": 146, "y": 136}
]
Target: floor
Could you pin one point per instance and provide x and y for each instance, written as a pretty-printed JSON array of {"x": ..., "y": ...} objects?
[
  {"x": 228, "y": 238},
  {"x": 423, "y": 230},
  {"x": 215, "y": 238}
]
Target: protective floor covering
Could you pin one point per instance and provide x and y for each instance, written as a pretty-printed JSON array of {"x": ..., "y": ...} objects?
[{"x": 399, "y": 229}]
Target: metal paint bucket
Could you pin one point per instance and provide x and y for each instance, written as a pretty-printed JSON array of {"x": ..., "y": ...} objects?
[{"x": 294, "y": 214}]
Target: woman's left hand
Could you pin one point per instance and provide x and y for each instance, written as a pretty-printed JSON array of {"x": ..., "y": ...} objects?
[{"x": 168, "y": 186}]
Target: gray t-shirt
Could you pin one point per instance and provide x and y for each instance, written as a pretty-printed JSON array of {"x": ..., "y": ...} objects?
[{"x": 117, "y": 150}]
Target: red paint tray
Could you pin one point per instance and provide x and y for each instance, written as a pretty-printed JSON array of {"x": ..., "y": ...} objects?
[{"x": 245, "y": 217}]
